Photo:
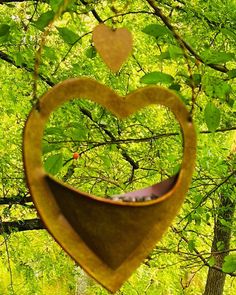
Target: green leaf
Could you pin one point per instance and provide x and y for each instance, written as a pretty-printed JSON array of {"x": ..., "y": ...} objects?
[
  {"x": 48, "y": 148},
  {"x": 4, "y": 30},
  {"x": 176, "y": 169},
  {"x": 223, "y": 89},
  {"x": 228, "y": 33},
  {"x": 197, "y": 78},
  {"x": 230, "y": 102},
  {"x": 68, "y": 36},
  {"x": 54, "y": 131},
  {"x": 18, "y": 58},
  {"x": 164, "y": 55},
  {"x": 182, "y": 74},
  {"x": 194, "y": 80},
  {"x": 229, "y": 264},
  {"x": 55, "y": 4},
  {"x": 191, "y": 245},
  {"x": 10, "y": 5},
  {"x": 219, "y": 57},
  {"x": 175, "y": 86},
  {"x": 234, "y": 106},
  {"x": 175, "y": 51},
  {"x": 212, "y": 116},
  {"x": 50, "y": 53},
  {"x": 77, "y": 133},
  {"x": 106, "y": 161},
  {"x": 113, "y": 147},
  {"x": 225, "y": 223},
  {"x": 197, "y": 219},
  {"x": 232, "y": 73},
  {"x": 215, "y": 87},
  {"x": 156, "y": 30},
  {"x": 91, "y": 52},
  {"x": 157, "y": 77},
  {"x": 44, "y": 20},
  {"x": 211, "y": 261},
  {"x": 220, "y": 245},
  {"x": 185, "y": 99},
  {"x": 53, "y": 164}
]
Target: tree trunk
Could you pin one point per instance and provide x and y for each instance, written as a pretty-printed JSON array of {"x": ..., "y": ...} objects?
[{"x": 222, "y": 234}]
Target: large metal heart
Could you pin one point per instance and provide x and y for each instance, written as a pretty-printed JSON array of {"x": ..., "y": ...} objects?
[{"x": 109, "y": 239}]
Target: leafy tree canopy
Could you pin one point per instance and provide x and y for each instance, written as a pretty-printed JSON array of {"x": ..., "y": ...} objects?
[{"x": 186, "y": 46}]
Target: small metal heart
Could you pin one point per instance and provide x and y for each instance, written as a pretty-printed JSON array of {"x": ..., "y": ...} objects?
[{"x": 113, "y": 45}]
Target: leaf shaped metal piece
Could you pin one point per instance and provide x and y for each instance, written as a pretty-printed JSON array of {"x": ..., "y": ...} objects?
[{"x": 113, "y": 45}]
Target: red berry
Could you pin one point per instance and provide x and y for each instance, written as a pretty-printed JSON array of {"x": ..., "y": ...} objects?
[{"x": 76, "y": 156}]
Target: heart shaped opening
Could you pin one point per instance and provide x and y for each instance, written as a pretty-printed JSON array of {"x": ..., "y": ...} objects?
[{"x": 135, "y": 159}]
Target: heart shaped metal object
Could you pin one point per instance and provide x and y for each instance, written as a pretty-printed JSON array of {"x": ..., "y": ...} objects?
[
  {"x": 109, "y": 239},
  {"x": 114, "y": 45}
]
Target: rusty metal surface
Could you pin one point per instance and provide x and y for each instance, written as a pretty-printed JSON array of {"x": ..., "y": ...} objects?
[
  {"x": 113, "y": 45},
  {"x": 109, "y": 239}
]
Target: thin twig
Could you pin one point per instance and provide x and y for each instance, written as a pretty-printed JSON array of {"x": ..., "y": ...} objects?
[
  {"x": 9, "y": 264},
  {"x": 203, "y": 259},
  {"x": 212, "y": 191},
  {"x": 8, "y": 255}
]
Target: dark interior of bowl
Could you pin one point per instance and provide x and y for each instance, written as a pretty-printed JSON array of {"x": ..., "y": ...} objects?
[{"x": 149, "y": 193}]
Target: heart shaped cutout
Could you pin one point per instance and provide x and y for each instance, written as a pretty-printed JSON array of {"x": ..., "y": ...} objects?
[
  {"x": 113, "y": 45},
  {"x": 109, "y": 239}
]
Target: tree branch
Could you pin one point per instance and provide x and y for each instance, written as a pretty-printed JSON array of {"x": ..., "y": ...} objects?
[
  {"x": 219, "y": 130},
  {"x": 212, "y": 191},
  {"x": 15, "y": 200},
  {"x": 199, "y": 255},
  {"x": 8, "y": 59},
  {"x": 183, "y": 44},
  {"x": 136, "y": 140},
  {"x": 8, "y": 227},
  {"x": 128, "y": 13},
  {"x": 93, "y": 12},
  {"x": 12, "y": 1},
  {"x": 112, "y": 137}
]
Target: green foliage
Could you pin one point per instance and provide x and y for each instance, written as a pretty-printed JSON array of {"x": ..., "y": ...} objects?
[
  {"x": 220, "y": 245},
  {"x": 232, "y": 73},
  {"x": 229, "y": 264},
  {"x": 151, "y": 138},
  {"x": 215, "y": 87},
  {"x": 174, "y": 51},
  {"x": 211, "y": 261},
  {"x": 54, "y": 163},
  {"x": 55, "y": 4},
  {"x": 212, "y": 116},
  {"x": 157, "y": 77},
  {"x": 4, "y": 30},
  {"x": 44, "y": 20},
  {"x": 218, "y": 57},
  {"x": 67, "y": 35},
  {"x": 91, "y": 52},
  {"x": 196, "y": 79},
  {"x": 156, "y": 30},
  {"x": 191, "y": 245}
]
